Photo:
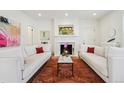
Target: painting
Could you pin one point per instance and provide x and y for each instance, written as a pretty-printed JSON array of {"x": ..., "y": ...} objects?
[
  {"x": 9, "y": 34},
  {"x": 66, "y": 30},
  {"x": 44, "y": 37}
]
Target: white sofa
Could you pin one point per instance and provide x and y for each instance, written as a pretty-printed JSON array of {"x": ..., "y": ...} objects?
[
  {"x": 19, "y": 64},
  {"x": 106, "y": 62}
]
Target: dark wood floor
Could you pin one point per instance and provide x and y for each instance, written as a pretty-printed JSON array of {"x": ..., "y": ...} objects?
[{"x": 82, "y": 73}]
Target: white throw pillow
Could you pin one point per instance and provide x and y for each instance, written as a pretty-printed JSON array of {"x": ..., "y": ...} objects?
[
  {"x": 30, "y": 50},
  {"x": 99, "y": 51},
  {"x": 46, "y": 47},
  {"x": 83, "y": 48}
]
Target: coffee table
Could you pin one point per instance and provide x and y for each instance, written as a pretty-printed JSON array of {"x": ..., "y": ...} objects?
[{"x": 64, "y": 60}]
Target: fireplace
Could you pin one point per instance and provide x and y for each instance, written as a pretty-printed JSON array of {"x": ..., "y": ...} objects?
[{"x": 69, "y": 48}]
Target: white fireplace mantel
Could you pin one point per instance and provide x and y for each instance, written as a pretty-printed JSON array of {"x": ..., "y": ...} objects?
[
  {"x": 65, "y": 39},
  {"x": 75, "y": 38}
]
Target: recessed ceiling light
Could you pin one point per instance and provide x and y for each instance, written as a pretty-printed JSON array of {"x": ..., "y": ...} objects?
[
  {"x": 94, "y": 14},
  {"x": 66, "y": 14},
  {"x": 39, "y": 14}
]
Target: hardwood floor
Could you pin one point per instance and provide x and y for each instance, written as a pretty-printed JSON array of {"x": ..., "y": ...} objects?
[{"x": 82, "y": 73}]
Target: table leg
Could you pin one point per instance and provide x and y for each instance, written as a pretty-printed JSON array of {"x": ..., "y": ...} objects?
[
  {"x": 57, "y": 69},
  {"x": 72, "y": 70}
]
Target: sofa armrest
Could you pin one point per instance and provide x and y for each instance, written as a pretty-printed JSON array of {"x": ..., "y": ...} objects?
[
  {"x": 116, "y": 69},
  {"x": 10, "y": 69},
  {"x": 116, "y": 64}
]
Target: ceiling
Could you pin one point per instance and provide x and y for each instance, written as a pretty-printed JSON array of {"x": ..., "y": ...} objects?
[{"x": 51, "y": 14}]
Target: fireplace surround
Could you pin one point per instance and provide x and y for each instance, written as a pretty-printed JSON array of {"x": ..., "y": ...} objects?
[{"x": 70, "y": 40}]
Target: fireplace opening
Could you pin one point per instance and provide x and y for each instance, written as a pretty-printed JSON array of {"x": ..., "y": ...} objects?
[{"x": 68, "y": 48}]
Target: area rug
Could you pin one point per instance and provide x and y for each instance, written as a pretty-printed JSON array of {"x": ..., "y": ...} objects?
[{"x": 82, "y": 73}]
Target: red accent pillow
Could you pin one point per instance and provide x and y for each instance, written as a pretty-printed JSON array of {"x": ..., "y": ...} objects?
[
  {"x": 39, "y": 50},
  {"x": 90, "y": 50}
]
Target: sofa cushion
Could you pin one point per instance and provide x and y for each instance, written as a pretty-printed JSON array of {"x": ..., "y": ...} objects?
[
  {"x": 46, "y": 47},
  {"x": 99, "y": 51},
  {"x": 33, "y": 62},
  {"x": 30, "y": 50},
  {"x": 33, "y": 58},
  {"x": 98, "y": 62}
]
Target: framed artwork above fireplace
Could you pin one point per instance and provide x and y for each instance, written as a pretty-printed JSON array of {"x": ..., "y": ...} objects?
[{"x": 66, "y": 30}]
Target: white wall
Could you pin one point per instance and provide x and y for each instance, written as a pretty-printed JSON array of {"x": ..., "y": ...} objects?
[
  {"x": 109, "y": 22},
  {"x": 43, "y": 25},
  {"x": 21, "y": 18},
  {"x": 89, "y": 32},
  {"x": 25, "y": 21},
  {"x": 73, "y": 38},
  {"x": 85, "y": 31}
]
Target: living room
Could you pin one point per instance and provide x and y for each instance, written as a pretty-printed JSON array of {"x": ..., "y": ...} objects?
[{"x": 62, "y": 34}]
